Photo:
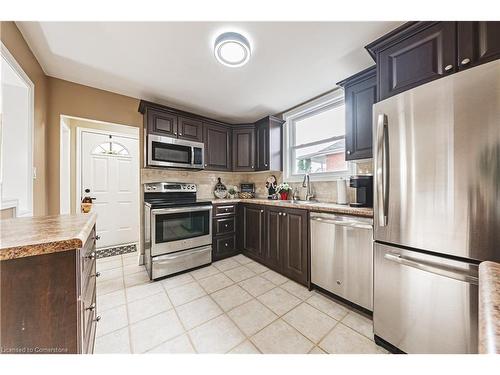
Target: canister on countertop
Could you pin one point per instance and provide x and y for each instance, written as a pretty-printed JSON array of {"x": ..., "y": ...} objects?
[{"x": 342, "y": 191}]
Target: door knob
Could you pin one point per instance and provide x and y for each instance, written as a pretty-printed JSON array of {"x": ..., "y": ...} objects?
[{"x": 91, "y": 307}]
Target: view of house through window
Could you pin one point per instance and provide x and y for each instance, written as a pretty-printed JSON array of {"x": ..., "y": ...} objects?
[{"x": 317, "y": 141}]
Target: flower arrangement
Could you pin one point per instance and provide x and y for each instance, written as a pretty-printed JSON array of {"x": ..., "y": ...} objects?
[
  {"x": 284, "y": 189},
  {"x": 233, "y": 190}
]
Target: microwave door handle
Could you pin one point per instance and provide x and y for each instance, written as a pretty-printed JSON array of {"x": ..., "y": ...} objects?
[
  {"x": 437, "y": 269},
  {"x": 382, "y": 186},
  {"x": 192, "y": 155}
]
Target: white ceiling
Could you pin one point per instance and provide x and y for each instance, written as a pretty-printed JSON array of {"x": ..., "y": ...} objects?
[{"x": 173, "y": 63}]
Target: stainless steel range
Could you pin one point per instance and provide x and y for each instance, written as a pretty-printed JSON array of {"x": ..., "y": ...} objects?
[{"x": 177, "y": 229}]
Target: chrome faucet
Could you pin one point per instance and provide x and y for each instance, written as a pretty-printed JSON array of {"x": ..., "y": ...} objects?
[{"x": 306, "y": 183}]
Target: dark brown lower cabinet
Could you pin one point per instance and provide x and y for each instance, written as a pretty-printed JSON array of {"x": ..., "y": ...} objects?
[
  {"x": 277, "y": 238},
  {"x": 252, "y": 235},
  {"x": 49, "y": 302},
  {"x": 294, "y": 245},
  {"x": 224, "y": 227}
]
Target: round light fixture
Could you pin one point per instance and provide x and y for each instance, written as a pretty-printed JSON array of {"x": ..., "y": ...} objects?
[{"x": 232, "y": 49}]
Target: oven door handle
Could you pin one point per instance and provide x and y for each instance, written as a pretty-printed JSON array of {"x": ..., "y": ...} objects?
[{"x": 160, "y": 211}]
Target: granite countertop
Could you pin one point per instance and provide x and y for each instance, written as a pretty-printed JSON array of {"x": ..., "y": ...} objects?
[
  {"x": 315, "y": 207},
  {"x": 29, "y": 236},
  {"x": 489, "y": 308}
]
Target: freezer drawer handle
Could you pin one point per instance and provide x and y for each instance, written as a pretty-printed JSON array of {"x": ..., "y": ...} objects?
[
  {"x": 450, "y": 272},
  {"x": 382, "y": 171}
]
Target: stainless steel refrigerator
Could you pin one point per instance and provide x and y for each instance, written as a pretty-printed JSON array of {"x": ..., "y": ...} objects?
[{"x": 436, "y": 209}]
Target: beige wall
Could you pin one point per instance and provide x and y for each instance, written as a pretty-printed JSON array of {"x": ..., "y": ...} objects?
[
  {"x": 15, "y": 43},
  {"x": 72, "y": 99}
]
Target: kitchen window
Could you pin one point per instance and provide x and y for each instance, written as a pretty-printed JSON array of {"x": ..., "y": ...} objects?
[{"x": 315, "y": 139}]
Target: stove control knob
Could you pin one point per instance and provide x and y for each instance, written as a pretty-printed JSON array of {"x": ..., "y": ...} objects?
[{"x": 154, "y": 187}]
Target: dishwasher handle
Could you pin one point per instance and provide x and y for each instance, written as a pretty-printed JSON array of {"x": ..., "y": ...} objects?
[{"x": 352, "y": 223}]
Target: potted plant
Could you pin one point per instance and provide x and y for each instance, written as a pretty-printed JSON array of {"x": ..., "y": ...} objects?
[
  {"x": 233, "y": 191},
  {"x": 284, "y": 189}
]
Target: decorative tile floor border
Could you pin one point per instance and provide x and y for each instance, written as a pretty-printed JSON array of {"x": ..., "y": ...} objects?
[{"x": 117, "y": 250}]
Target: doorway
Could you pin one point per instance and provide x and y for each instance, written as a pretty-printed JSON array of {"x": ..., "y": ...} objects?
[{"x": 107, "y": 165}]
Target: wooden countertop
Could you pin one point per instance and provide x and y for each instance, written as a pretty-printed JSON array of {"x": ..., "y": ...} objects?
[
  {"x": 489, "y": 308},
  {"x": 315, "y": 207},
  {"x": 29, "y": 236}
]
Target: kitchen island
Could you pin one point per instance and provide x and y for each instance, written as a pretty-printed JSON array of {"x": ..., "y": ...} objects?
[
  {"x": 489, "y": 308},
  {"x": 47, "y": 284}
]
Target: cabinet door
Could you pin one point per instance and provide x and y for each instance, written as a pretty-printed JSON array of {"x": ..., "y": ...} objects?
[
  {"x": 253, "y": 231},
  {"x": 422, "y": 57},
  {"x": 359, "y": 100},
  {"x": 244, "y": 149},
  {"x": 161, "y": 123},
  {"x": 217, "y": 147},
  {"x": 262, "y": 147},
  {"x": 190, "y": 129},
  {"x": 272, "y": 249},
  {"x": 223, "y": 247},
  {"x": 294, "y": 245},
  {"x": 478, "y": 42}
]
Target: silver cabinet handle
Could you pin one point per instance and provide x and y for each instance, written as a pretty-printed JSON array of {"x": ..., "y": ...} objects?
[
  {"x": 97, "y": 274},
  {"x": 448, "y": 67},
  {"x": 265, "y": 165},
  {"x": 261, "y": 211},
  {"x": 91, "y": 307},
  {"x": 180, "y": 133},
  {"x": 97, "y": 318},
  {"x": 284, "y": 213},
  {"x": 382, "y": 169},
  {"x": 225, "y": 226},
  {"x": 339, "y": 282},
  {"x": 348, "y": 152},
  {"x": 279, "y": 213},
  {"x": 91, "y": 255},
  {"x": 226, "y": 245},
  {"x": 465, "y": 61},
  {"x": 252, "y": 166},
  {"x": 97, "y": 238},
  {"x": 437, "y": 269},
  {"x": 205, "y": 165}
]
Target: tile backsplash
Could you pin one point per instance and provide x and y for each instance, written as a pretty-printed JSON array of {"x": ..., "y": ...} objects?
[{"x": 325, "y": 191}]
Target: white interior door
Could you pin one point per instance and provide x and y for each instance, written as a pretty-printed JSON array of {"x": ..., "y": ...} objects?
[{"x": 110, "y": 167}]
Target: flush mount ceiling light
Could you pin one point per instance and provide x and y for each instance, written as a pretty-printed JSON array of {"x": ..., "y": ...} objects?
[{"x": 232, "y": 49}]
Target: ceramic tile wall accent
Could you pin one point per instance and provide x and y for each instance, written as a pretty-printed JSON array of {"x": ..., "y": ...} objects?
[
  {"x": 325, "y": 191},
  {"x": 206, "y": 180}
]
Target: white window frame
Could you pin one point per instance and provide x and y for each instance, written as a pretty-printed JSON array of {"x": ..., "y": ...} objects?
[
  {"x": 9, "y": 58},
  {"x": 316, "y": 106}
]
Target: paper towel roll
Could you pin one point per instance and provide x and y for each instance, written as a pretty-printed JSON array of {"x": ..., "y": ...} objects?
[{"x": 342, "y": 191}]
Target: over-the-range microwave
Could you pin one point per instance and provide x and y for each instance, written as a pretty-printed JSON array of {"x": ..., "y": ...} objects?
[{"x": 172, "y": 152}]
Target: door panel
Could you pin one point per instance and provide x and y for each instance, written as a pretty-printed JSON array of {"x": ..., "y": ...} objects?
[
  {"x": 113, "y": 180},
  {"x": 217, "y": 147},
  {"x": 417, "y": 59},
  {"x": 190, "y": 129},
  {"x": 421, "y": 312},
  {"x": 272, "y": 257},
  {"x": 253, "y": 231},
  {"x": 442, "y": 147},
  {"x": 244, "y": 149},
  {"x": 478, "y": 42},
  {"x": 161, "y": 123},
  {"x": 294, "y": 245},
  {"x": 262, "y": 148}
]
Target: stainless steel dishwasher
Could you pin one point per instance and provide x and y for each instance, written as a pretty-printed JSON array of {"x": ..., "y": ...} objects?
[{"x": 342, "y": 256}]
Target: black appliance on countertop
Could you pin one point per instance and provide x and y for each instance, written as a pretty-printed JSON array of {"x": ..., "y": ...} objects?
[{"x": 364, "y": 190}]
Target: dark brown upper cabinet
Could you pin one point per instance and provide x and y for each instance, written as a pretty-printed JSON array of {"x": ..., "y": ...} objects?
[
  {"x": 244, "y": 148},
  {"x": 419, "y": 52},
  {"x": 269, "y": 137},
  {"x": 360, "y": 93},
  {"x": 217, "y": 140},
  {"x": 161, "y": 123},
  {"x": 190, "y": 129},
  {"x": 478, "y": 42},
  {"x": 414, "y": 54}
]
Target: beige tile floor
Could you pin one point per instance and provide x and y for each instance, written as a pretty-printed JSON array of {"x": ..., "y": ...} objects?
[{"x": 233, "y": 306}]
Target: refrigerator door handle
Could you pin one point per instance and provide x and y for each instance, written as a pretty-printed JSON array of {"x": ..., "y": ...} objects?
[
  {"x": 437, "y": 269},
  {"x": 382, "y": 169}
]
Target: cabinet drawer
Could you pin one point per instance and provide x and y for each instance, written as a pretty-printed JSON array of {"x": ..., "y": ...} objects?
[
  {"x": 225, "y": 210},
  {"x": 224, "y": 225},
  {"x": 223, "y": 245}
]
